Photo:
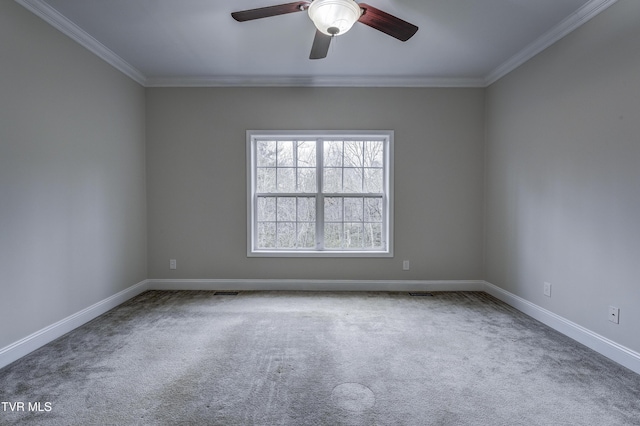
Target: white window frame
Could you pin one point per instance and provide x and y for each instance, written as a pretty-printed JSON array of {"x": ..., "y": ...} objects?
[{"x": 252, "y": 136}]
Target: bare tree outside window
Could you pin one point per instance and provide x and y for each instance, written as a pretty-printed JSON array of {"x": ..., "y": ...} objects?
[{"x": 320, "y": 193}]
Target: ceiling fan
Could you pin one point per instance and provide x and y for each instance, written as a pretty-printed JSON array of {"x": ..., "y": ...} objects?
[{"x": 333, "y": 18}]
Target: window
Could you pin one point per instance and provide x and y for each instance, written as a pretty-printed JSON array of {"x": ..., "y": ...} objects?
[{"x": 320, "y": 193}]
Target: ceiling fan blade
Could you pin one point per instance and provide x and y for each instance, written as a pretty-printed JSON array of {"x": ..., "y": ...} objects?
[
  {"x": 320, "y": 46},
  {"x": 388, "y": 24},
  {"x": 265, "y": 12}
]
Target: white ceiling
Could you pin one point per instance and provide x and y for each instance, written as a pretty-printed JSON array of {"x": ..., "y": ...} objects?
[{"x": 465, "y": 43}]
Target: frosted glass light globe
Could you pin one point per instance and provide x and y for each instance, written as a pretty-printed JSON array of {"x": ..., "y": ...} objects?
[{"x": 334, "y": 17}]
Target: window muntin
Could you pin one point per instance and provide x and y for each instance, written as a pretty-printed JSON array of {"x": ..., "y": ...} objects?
[{"x": 320, "y": 193}]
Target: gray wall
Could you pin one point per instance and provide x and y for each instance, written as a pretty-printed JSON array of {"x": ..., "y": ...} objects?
[
  {"x": 72, "y": 177},
  {"x": 196, "y": 164},
  {"x": 561, "y": 172},
  {"x": 563, "y": 176}
]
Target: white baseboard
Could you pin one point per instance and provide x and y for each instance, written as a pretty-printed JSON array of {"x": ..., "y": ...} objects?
[
  {"x": 612, "y": 350},
  {"x": 48, "y": 334},
  {"x": 600, "y": 344},
  {"x": 315, "y": 285}
]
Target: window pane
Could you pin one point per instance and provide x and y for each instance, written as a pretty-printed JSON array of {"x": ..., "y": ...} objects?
[
  {"x": 373, "y": 235},
  {"x": 285, "y": 153},
  {"x": 286, "y": 235},
  {"x": 373, "y": 209},
  {"x": 306, "y": 209},
  {"x": 353, "y": 235},
  {"x": 306, "y": 235},
  {"x": 332, "y": 180},
  {"x": 333, "y": 153},
  {"x": 266, "y": 153},
  {"x": 307, "y": 180},
  {"x": 266, "y": 180},
  {"x": 266, "y": 209},
  {"x": 353, "y": 154},
  {"x": 353, "y": 210},
  {"x": 373, "y": 154},
  {"x": 333, "y": 209},
  {"x": 288, "y": 183},
  {"x": 333, "y": 235},
  {"x": 286, "y": 180},
  {"x": 266, "y": 235},
  {"x": 307, "y": 154},
  {"x": 286, "y": 209},
  {"x": 352, "y": 180},
  {"x": 373, "y": 181}
]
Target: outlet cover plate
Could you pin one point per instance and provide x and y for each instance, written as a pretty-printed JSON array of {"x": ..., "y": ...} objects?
[
  {"x": 614, "y": 314},
  {"x": 547, "y": 289}
]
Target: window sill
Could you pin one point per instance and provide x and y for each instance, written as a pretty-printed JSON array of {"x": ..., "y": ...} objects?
[{"x": 324, "y": 253}]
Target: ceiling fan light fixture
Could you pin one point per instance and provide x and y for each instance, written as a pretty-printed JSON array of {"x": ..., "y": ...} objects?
[{"x": 334, "y": 17}]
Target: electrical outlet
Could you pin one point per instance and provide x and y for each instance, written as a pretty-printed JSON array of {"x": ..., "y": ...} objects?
[
  {"x": 173, "y": 264},
  {"x": 547, "y": 289},
  {"x": 614, "y": 314},
  {"x": 405, "y": 265}
]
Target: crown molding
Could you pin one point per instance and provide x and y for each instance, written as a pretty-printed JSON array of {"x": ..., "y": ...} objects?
[
  {"x": 63, "y": 24},
  {"x": 571, "y": 23},
  {"x": 67, "y": 27},
  {"x": 59, "y": 21},
  {"x": 313, "y": 81}
]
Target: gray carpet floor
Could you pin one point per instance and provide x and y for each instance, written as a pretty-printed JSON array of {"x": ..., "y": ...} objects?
[{"x": 301, "y": 358}]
